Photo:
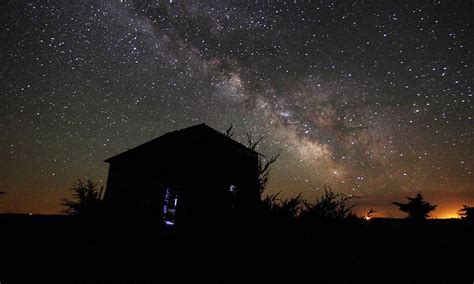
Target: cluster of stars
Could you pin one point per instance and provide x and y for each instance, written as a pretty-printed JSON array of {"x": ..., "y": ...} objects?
[{"x": 370, "y": 98}]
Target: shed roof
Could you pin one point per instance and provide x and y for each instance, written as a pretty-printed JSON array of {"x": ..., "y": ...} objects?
[{"x": 202, "y": 129}]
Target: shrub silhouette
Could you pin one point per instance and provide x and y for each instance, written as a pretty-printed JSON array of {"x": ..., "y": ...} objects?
[
  {"x": 417, "y": 208},
  {"x": 86, "y": 199},
  {"x": 332, "y": 205},
  {"x": 466, "y": 213},
  {"x": 282, "y": 209}
]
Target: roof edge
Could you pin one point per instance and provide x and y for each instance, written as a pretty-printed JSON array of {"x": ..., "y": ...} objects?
[{"x": 108, "y": 160}]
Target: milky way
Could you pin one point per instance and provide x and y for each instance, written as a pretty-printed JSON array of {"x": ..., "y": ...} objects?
[{"x": 371, "y": 98}]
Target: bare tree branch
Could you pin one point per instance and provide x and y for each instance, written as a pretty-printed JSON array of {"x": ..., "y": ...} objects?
[
  {"x": 250, "y": 141},
  {"x": 264, "y": 171},
  {"x": 229, "y": 132}
]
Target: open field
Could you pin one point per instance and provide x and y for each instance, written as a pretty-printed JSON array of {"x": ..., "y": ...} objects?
[{"x": 65, "y": 249}]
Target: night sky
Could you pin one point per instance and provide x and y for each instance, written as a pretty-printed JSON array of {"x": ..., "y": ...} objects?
[{"x": 373, "y": 98}]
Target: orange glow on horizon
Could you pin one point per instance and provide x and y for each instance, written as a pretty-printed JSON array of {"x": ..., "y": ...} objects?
[{"x": 446, "y": 214}]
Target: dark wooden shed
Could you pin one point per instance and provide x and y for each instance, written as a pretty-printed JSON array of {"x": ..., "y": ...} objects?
[{"x": 193, "y": 176}]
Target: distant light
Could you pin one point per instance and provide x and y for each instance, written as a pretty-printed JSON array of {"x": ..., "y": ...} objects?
[
  {"x": 169, "y": 223},
  {"x": 31, "y": 214}
]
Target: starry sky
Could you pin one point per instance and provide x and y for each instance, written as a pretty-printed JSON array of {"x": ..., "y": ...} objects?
[{"x": 373, "y": 98}]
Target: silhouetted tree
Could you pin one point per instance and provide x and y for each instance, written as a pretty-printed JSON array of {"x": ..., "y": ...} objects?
[
  {"x": 466, "y": 213},
  {"x": 417, "y": 208},
  {"x": 330, "y": 206},
  {"x": 86, "y": 200},
  {"x": 264, "y": 165}
]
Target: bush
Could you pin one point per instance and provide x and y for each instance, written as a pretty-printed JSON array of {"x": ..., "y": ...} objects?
[
  {"x": 417, "y": 208},
  {"x": 330, "y": 206},
  {"x": 86, "y": 200}
]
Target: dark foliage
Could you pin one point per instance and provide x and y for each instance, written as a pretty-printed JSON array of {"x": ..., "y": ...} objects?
[
  {"x": 330, "y": 206},
  {"x": 86, "y": 200},
  {"x": 417, "y": 208},
  {"x": 466, "y": 213},
  {"x": 282, "y": 209}
]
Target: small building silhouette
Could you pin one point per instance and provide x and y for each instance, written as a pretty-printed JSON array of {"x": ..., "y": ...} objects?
[{"x": 194, "y": 176}]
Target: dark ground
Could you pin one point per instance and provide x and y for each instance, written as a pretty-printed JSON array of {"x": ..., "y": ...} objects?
[{"x": 36, "y": 249}]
